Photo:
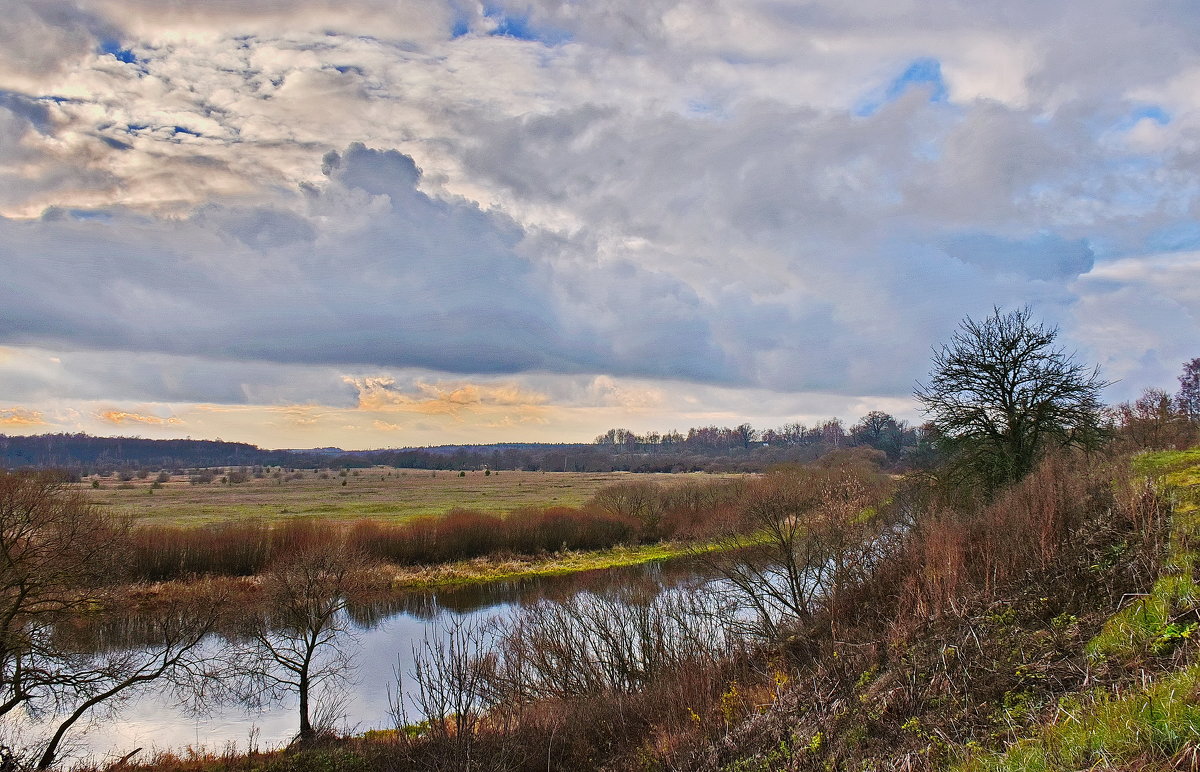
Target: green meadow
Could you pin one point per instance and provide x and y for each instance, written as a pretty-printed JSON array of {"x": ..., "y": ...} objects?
[{"x": 385, "y": 494}]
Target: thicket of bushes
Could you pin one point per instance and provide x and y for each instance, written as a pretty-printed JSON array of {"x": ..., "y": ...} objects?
[{"x": 625, "y": 513}]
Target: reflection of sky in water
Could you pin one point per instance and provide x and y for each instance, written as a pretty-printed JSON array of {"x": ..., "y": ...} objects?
[
  {"x": 153, "y": 722},
  {"x": 382, "y": 640}
]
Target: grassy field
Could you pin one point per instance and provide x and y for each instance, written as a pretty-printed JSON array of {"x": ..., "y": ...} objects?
[{"x": 381, "y": 493}]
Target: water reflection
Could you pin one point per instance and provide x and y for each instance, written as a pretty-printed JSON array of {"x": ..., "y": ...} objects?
[
  {"x": 384, "y": 631},
  {"x": 430, "y": 604}
]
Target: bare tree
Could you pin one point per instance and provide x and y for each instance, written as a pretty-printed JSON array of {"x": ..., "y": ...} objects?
[
  {"x": 58, "y": 558},
  {"x": 177, "y": 657},
  {"x": 450, "y": 675},
  {"x": 595, "y": 643},
  {"x": 1000, "y": 393},
  {"x": 297, "y": 642},
  {"x": 639, "y": 502},
  {"x": 1152, "y": 421},
  {"x": 804, "y": 533},
  {"x": 1188, "y": 398}
]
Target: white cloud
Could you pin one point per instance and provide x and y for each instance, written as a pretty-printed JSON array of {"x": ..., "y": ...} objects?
[{"x": 656, "y": 192}]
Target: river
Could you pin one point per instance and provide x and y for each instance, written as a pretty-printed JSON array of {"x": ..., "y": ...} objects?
[{"x": 380, "y": 642}]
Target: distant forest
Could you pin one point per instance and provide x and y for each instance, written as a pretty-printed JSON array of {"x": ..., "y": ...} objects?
[{"x": 741, "y": 448}]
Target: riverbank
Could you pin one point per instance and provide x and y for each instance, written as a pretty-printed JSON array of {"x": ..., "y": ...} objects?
[
  {"x": 497, "y": 569},
  {"x": 381, "y": 579}
]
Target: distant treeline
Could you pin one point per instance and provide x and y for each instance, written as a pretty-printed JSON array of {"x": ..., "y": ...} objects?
[
  {"x": 741, "y": 448},
  {"x": 83, "y": 451}
]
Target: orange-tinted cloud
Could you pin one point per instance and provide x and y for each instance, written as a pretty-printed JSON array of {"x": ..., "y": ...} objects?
[
  {"x": 122, "y": 417},
  {"x": 19, "y": 416},
  {"x": 379, "y": 394}
]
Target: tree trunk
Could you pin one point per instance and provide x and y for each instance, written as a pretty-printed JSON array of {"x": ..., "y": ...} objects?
[{"x": 306, "y": 729}]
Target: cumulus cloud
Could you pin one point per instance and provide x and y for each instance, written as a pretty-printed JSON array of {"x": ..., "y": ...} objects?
[{"x": 273, "y": 203}]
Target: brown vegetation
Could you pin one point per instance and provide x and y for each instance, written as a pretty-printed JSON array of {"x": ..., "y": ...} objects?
[{"x": 624, "y": 513}]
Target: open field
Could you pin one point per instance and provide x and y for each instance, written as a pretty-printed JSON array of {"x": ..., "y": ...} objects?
[{"x": 380, "y": 493}]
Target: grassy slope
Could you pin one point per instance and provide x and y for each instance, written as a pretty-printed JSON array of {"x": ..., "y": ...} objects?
[{"x": 1154, "y": 723}]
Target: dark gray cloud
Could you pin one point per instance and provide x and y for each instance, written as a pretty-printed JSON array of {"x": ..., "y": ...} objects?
[
  {"x": 368, "y": 271},
  {"x": 736, "y": 193},
  {"x": 1046, "y": 256}
]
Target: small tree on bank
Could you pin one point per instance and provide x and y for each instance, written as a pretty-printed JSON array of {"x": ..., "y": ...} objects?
[
  {"x": 1000, "y": 394},
  {"x": 59, "y": 557},
  {"x": 297, "y": 646}
]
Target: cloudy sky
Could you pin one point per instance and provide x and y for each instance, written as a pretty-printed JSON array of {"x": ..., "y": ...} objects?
[{"x": 374, "y": 223}]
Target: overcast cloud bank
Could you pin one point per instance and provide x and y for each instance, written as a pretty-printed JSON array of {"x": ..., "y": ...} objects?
[{"x": 290, "y": 220}]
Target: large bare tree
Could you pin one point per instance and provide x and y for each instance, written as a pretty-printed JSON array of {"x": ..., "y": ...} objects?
[
  {"x": 1000, "y": 393},
  {"x": 59, "y": 561}
]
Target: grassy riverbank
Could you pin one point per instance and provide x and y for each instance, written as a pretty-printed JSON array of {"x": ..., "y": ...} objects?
[
  {"x": 389, "y": 579},
  {"x": 1151, "y": 721},
  {"x": 495, "y": 569}
]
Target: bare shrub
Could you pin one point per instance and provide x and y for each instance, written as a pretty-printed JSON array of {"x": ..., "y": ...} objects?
[
  {"x": 804, "y": 533},
  {"x": 465, "y": 533},
  {"x": 591, "y": 644},
  {"x": 532, "y": 529},
  {"x": 956, "y": 554},
  {"x": 158, "y": 553},
  {"x": 637, "y": 502},
  {"x": 450, "y": 673}
]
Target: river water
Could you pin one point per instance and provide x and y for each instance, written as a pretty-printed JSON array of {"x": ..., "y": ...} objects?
[{"x": 380, "y": 643}]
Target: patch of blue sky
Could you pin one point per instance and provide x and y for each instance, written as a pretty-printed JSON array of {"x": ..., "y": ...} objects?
[
  {"x": 928, "y": 148},
  {"x": 113, "y": 48},
  {"x": 96, "y": 215},
  {"x": 705, "y": 108},
  {"x": 1109, "y": 122},
  {"x": 1183, "y": 236},
  {"x": 185, "y": 130},
  {"x": 1144, "y": 113},
  {"x": 1107, "y": 247},
  {"x": 519, "y": 27},
  {"x": 925, "y": 72},
  {"x": 1131, "y": 201},
  {"x": 116, "y": 144}
]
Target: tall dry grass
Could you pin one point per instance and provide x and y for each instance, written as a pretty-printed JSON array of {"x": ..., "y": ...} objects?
[{"x": 626, "y": 513}]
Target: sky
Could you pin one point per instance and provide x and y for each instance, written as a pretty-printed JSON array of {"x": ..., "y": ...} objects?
[{"x": 387, "y": 223}]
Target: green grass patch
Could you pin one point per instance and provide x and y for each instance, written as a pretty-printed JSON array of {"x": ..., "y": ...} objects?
[
  {"x": 1152, "y": 722},
  {"x": 484, "y": 570},
  {"x": 1104, "y": 730},
  {"x": 1148, "y": 622}
]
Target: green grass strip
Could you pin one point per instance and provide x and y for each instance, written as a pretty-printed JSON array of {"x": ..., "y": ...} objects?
[
  {"x": 484, "y": 570},
  {"x": 1103, "y": 729}
]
